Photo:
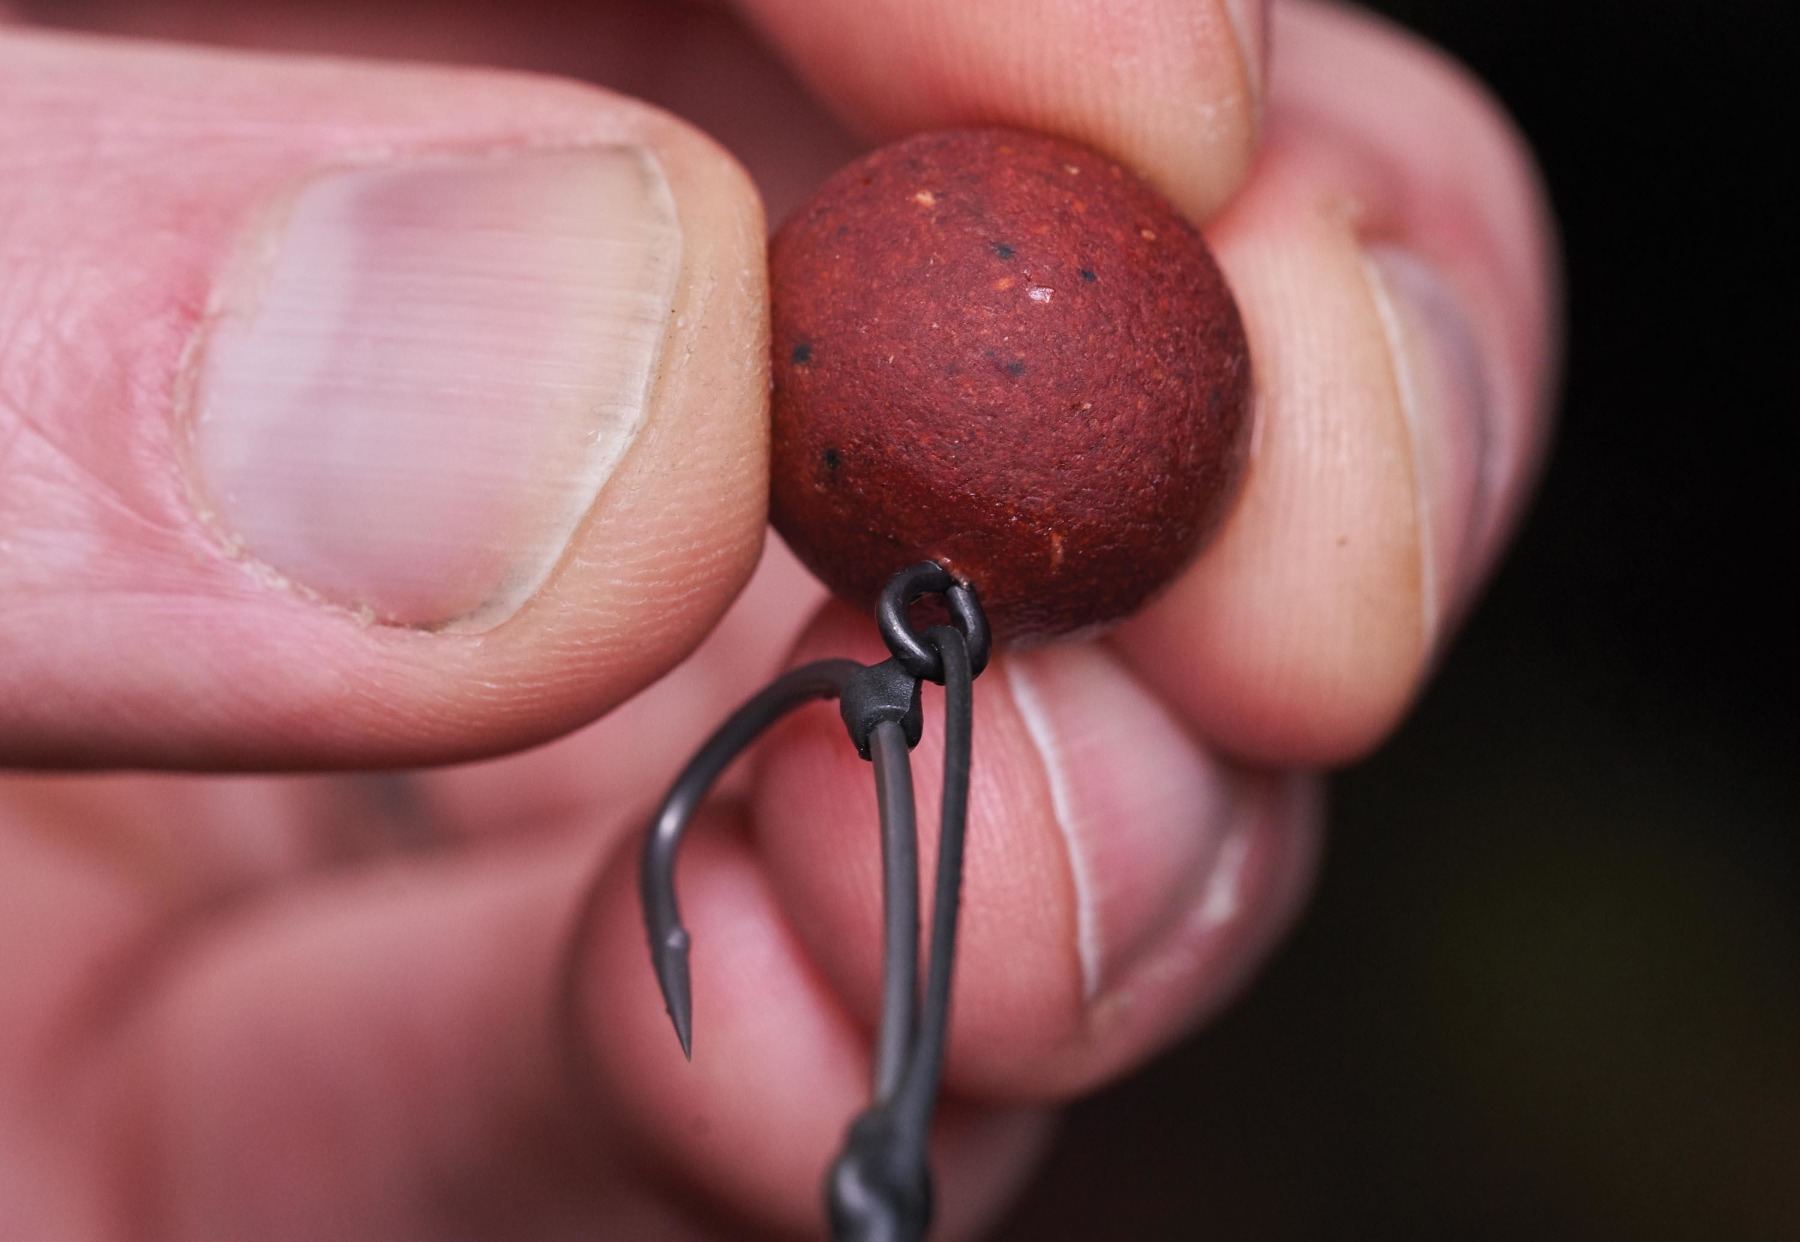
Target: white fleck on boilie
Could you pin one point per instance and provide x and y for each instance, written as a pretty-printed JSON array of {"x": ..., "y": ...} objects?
[{"x": 1039, "y": 293}]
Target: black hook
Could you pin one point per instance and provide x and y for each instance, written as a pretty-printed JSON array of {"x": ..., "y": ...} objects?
[
  {"x": 656, "y": 871},
  {"x": 879, "y": 1189}
]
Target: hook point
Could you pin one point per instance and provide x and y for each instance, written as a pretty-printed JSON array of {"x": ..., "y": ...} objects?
[{"x": 672, "y": 976}]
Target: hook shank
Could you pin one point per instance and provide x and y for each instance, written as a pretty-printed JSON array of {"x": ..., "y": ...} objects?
[
  {"x": 899, "y": 904},
  {"x": 879, "y": 1189}
]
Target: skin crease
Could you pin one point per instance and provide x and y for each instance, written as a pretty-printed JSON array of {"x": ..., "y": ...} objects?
[{"x": 323, "y": 1005}]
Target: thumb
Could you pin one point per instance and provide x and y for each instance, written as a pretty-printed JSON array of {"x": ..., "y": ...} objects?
[{"x": 357, "y": 415}]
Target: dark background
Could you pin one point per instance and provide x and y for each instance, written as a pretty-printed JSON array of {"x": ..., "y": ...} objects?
[{"x": 1550, "y": 987}]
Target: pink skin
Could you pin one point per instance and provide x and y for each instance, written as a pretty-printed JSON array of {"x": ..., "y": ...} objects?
[{"x": 244, "y": 1006}]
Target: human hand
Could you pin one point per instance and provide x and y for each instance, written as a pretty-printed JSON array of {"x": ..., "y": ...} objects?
[{"x": 269, "y": 332}]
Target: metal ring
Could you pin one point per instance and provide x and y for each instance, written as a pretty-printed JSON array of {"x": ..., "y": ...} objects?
[{"x": 916, "y": 655}]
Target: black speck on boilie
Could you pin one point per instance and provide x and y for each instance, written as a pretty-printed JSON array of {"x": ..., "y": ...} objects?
[
  {"x": 802, "y": 354},
  {"x": 1002, "y": 250},
  {"x": 1087, "y": 274},
  {"x": 833, "y": 459},
  {"x": 1016, "y": 367}
]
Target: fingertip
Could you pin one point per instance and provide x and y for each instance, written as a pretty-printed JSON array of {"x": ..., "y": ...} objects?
[
  {"x": 1476, "y": 207},
  {"x": 1171, "y": 89},
  {"x": 1389, "y": 259},
  {"x": 1301, "y": 634}
]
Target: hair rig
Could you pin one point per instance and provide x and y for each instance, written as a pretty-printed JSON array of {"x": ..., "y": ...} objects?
[
  {"x": 1003, "y": 365},
  {"x": 880, "y": 1187}
]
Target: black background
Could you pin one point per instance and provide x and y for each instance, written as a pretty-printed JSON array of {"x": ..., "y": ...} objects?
[{"x": 1550, "y": 987}]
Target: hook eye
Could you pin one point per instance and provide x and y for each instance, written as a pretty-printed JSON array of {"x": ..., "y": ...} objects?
[{"x": 914, "y": 653}]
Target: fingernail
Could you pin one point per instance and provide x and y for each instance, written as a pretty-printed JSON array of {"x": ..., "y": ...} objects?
[
  {"x": 1444, "y": 396},
  {"x": 417, "y": 377},
  {"x": 1250, "y": 28},
  {"x": 1142, "y": 809}
]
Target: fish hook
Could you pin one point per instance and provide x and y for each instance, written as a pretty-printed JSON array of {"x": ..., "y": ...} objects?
[{"x": 879, "y": 1188}]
